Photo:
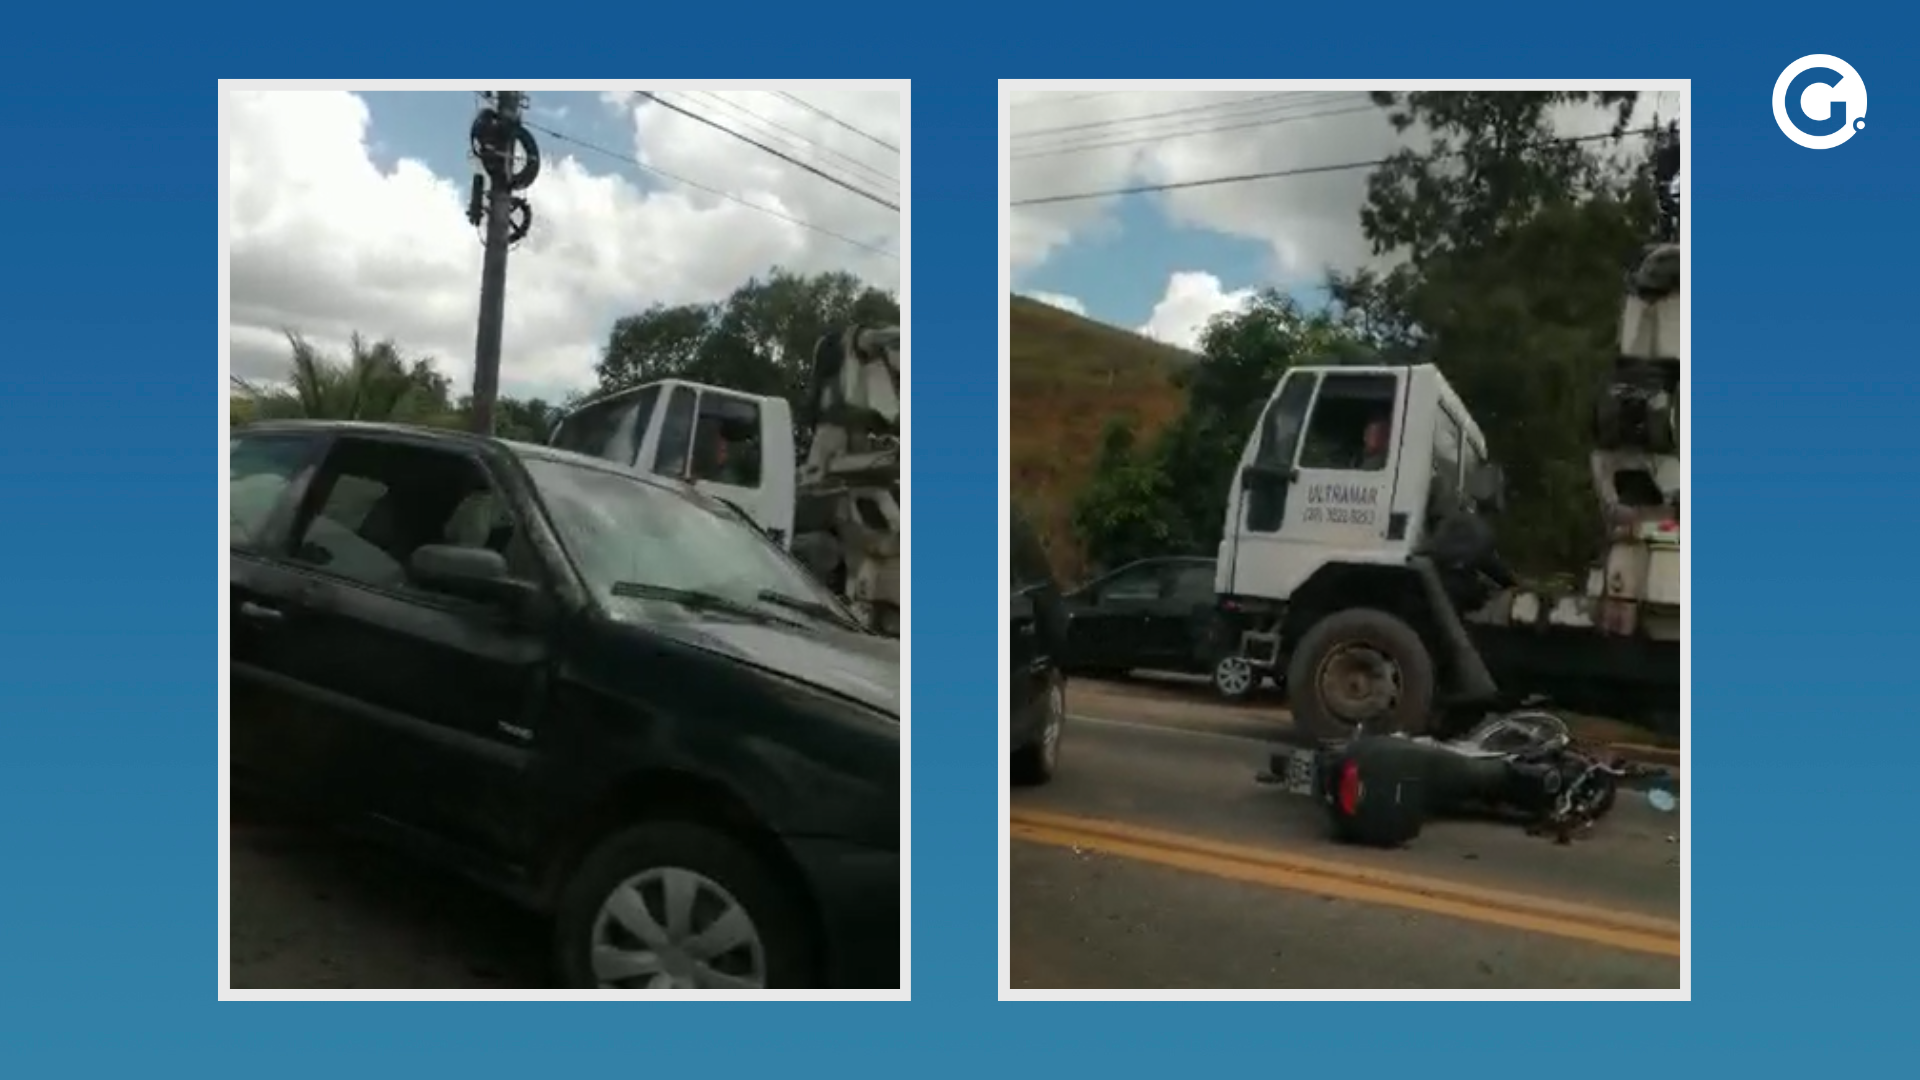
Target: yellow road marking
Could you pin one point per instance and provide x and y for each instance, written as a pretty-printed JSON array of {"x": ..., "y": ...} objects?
[{"x": 1346, "y": 881}]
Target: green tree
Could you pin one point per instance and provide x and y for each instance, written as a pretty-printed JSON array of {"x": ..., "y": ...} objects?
[
  {"x": 1170, "y": 498},
  {"x": 1125, "y": 511},
  {"x": 759, "y": 340},
  {"x": 1512, "y": 241},
  {"x": 372, "y": 382}
]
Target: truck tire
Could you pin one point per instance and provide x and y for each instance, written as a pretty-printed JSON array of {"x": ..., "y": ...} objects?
[{"x": 1335, "y": 678}]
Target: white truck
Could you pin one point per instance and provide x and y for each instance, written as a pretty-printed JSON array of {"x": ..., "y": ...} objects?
[
  {"x": 837, "y": 510},
  {"x": 1321, "y": 578}
]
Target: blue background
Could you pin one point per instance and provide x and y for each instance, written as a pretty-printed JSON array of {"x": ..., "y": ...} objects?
[{"x": 1806, "y": 462}]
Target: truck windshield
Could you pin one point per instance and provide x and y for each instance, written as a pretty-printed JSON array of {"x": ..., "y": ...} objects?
[{"x": 625, "y": 532}]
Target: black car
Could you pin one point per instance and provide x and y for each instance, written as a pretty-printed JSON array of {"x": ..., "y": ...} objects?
[
  {"x": 593, "y": 690},
  {"x": 1156, "y": 615},
  {"x": 1037, "y": 711}
]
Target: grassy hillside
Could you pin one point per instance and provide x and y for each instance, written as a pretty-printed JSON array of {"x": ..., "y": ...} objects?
[{"x": 1070, "y": 375}]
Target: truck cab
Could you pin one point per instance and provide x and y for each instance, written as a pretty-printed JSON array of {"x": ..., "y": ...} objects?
[
  {"x": 1347, "y": 466},
  {"x": 735, "y": 447}
]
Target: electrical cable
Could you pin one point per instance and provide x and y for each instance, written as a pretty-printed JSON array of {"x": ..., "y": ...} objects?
[
  {"x": 803, "y": 142},
  {"x": 824, "y": 114},
  {"x": 788, "y": 158},
  {"x": 1144, "y": 189},
  {"x": 678, "y": 179},
  {"x": 1080, "y": 148}
]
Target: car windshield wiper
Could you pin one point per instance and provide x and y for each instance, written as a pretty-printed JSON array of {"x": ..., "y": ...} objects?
[
  {"x": 809, "y": 607},
  {"x": 697, "y": 599}
]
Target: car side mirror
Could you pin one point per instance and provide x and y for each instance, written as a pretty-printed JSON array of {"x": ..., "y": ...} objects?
[{"x": 472, "y": 573}]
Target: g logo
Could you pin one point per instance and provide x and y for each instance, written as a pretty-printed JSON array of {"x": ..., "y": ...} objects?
[{"x": 1813, "y": 85}]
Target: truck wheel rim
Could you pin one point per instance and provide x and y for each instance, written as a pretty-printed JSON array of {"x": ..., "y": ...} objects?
[
  {"x": 670, "y": 928},
  {"x": 1358, "y": 683},
  {"x": 1233, "y": 675}
]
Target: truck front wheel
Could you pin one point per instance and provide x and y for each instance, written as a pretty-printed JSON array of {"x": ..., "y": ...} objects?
[{"x": 1360, "y": 666}]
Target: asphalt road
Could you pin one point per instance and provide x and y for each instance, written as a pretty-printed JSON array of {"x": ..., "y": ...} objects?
[
  {"x": 313, "y": 910},
  {"x": 1154, "y": 861}
]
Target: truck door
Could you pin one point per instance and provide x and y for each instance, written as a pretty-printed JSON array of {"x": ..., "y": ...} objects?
[
  {"x": 1318, "y": 485},
  {"x": 734, "y": 447}
]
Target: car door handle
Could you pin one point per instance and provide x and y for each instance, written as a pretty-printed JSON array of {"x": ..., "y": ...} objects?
[{"x": 260, "y": 612}]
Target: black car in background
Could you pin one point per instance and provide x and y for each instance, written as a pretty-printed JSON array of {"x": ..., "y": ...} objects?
[
  {"x": 1037, "y": 711},
  {"x": 1156, "y": 615},
  {"x": 593, "y": 690}
]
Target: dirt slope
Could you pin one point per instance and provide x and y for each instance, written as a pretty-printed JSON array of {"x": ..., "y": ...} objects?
[{"x": 1070, "y": 375}]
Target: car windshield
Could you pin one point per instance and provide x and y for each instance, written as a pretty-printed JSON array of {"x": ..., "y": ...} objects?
[{"x": 632, "y": 538}]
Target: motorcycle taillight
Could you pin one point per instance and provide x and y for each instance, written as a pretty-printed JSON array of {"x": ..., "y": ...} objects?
[{"x": 1349, "y": 793}]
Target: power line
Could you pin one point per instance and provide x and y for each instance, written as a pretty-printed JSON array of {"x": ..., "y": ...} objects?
[
  {"x": 795, "y": 138},
  {"x": 1256, "y": 102},
  {"x": 770, "y": 212},
  {"x": 1054, "y": 98},
  {"x": 1310, "y": 170},
  {"x": 824, "y": 114},
  {"x": 763, "y": 147},
  {"x": 1169, "y": 136}
]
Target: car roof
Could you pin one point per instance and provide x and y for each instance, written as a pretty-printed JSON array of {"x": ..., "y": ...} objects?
[{"x": 459, "y": 437}]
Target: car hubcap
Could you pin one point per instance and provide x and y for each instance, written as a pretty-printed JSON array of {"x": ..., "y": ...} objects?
[
  {"x": 1359, "y": 683},
  {"x": 1233, "y": 675},
  {"x": 673, "y": 929}
]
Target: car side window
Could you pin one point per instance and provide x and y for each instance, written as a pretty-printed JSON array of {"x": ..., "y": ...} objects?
[
  {"x": 260, "y": 468},
  {"x": 375, "y": 503},
  {"x": 1194, "y": 582},
  {"x": 1139, "y": 583}
]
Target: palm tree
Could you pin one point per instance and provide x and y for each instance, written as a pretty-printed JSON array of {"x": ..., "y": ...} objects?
[{"x": 374, "y": 383}]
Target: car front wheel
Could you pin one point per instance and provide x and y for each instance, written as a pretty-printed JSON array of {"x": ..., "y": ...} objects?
[
  {"x": 1036, "y": 762},
  {"x": 672, "y": 906}
]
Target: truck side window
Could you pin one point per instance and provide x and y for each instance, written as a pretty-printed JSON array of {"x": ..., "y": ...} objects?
[
  {"x": 260, "y": 468},
  {"x": 1352, "y": 425},
  {"x": 1279, "y": 440},
  {"x": 676, "y": 434},
  {"x": 726, "y": 441},
  {"x": 1280, "y": 429},
  {"x": 597, "y": 430}
]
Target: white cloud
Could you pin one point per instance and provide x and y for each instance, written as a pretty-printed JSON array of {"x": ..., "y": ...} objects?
[
  {"x": 326, "y": 243},
  {"x": 1192, "y": 299},
  {"x": 1061, "y": 301},
  {"x": 1072, "y": 142}
]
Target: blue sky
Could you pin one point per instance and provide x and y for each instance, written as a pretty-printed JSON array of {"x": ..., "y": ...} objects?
[
  {"x": 432, "y": 127},
  {"x": 1165, "y": 263}
]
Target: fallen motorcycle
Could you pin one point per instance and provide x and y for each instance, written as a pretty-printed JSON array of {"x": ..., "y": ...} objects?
[{"x": 1381, "y": 789}]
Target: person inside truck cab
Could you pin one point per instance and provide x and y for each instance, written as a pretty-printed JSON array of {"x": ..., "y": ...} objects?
[
  {"x": 724, "y": 456},
  {"x": 1374, "y": 445}
]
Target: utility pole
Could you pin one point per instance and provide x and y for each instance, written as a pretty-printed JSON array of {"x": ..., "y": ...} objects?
[{"x": 495, "y": 137}]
